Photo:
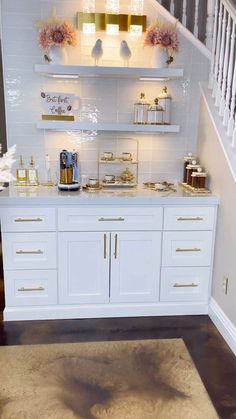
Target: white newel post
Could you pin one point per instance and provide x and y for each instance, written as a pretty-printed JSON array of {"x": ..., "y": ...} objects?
[
  {"x": 234, "y": 136},
  {"x": 222, "y": 50},
  {"x": 213, "y": 56},
  {"x": 211, "y": 4},
  {"x": 184, "y": 13},
  {"x": 217, "y": 51},
  {"x": 232, "y": 106},
  {"x": 225, "y": 68},
  {"x": 172, "y": 7},
  {"x": 195, "y": 29},
  {"x": 229, "y": 78}
]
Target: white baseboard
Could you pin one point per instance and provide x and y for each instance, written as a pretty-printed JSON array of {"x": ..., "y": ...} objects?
[{"x": 223, "y": 324}]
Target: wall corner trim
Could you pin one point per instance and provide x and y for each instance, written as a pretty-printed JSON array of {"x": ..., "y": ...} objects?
[{"x": 223, "y": 324}]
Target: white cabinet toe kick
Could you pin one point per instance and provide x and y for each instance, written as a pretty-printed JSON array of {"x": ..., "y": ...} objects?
[{"x": 107, "y": 261}]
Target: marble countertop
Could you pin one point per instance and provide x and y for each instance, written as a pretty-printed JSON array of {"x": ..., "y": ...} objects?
[{"x": 31, "y": 196}]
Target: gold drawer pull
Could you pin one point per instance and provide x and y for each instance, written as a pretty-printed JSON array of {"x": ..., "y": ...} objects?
[
  {"x": 190, "y": 219},
  {"x": 194, "y": 249},
  {"x": 116, "y": 246},
  {"x": 28, "y": 220},
  {"x": 185, "y": 285},
  {"x": 29, "y": 252},
  {"x": 111, "y": 219},
  {"x": 105, "y": 246},
  {"x": 22, "y": 289}
]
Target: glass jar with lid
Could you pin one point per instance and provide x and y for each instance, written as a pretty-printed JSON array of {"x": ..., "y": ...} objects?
[
  {"x": 155, "y": 114},
  {"x": 140, "y": 110},
  {"x": 187, "y": 160},
  {"x": 165, "y": 101},
  {"x": 190, "y": 169},
  {"x": 199, "y": 179}
]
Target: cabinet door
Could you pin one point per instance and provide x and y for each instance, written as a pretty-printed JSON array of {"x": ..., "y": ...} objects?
[
  {"x": 135, "y": 266},
  {"x": 83, "y": 267}
]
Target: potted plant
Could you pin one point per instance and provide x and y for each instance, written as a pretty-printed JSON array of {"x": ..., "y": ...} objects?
[
  {"x": 54, "y": 35},
  {"x": 164, "y": 40}
]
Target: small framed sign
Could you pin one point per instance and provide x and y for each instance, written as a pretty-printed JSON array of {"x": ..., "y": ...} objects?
[{"x": 59, "y": 106}]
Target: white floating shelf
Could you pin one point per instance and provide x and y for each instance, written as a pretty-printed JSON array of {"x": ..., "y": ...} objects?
[
  {"x": 87, "y": 126},
  {"x": 118, "y": 161},
  {"x": 67, "y": 71}
]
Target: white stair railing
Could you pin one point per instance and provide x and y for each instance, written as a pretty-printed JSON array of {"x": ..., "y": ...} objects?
[
  {"x": 196, "y": 16},
  {"x": 223, "y": 66}
]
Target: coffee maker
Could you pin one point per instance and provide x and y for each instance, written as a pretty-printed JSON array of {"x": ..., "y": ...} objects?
[{"x": 69, "y": 171}]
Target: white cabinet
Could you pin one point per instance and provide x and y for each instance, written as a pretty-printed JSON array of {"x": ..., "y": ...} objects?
[
  {"x": 83, "y": 269},
  {"x": 135, "y": 266},
  {"x": 98, "y": 267}
]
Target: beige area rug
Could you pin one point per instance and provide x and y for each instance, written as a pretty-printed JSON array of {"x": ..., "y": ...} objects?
[{"x": 147, "y": 379}]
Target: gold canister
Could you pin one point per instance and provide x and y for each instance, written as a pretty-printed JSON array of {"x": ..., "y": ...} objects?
[
  {"x": 187, "y": 160},
  {"x": 199, "y": 179},
  {"x": 190, "y": 169}
]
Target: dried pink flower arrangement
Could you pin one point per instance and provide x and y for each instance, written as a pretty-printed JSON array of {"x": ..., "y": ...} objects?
[
  {"x": 56, "y": 32},
  {"x": 164, "y": 35}
]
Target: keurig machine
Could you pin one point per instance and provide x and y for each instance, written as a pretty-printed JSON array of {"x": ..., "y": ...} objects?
[{"x": 69, "y": 172}]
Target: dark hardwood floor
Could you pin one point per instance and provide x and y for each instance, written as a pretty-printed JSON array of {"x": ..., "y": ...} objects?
[{"x": 212, "y": 357}]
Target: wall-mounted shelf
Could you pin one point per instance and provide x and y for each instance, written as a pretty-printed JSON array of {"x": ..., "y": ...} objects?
[
  {"x": 148, "y": 74},
  {"x": 88, "y": 126}
]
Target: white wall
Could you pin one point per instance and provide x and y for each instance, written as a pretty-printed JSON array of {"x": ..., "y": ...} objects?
[
  {"x": 160, "y": 155},
  {"x": 222, "y": 183}
]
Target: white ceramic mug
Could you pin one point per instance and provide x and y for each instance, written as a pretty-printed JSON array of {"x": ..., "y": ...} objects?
[
  {"x": 93, "y": 182},
  {"x": 109, "y": 178}
]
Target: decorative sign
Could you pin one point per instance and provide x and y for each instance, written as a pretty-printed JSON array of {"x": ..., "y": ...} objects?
[{"x": 59, "y": 106}]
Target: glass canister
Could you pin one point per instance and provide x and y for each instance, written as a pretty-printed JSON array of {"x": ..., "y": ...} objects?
[
  {"x": 165, "y": 99},
  {"x": 155, "y": 114},
  {"x": 190, "y": 169},
  {"x": 140, "y": 110},
  {"x": 199, "y": 179},
  {"x": 187, "y": 160}
]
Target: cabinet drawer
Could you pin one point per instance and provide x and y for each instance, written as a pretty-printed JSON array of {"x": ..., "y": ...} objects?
[
  {"x": 189, "y": 218},
  {"x": 29, "y": 250},
  {"x": 30, "y": 288},
  {"x": 28, "y": 219},
  {"x": 184, "y": 284},
  {"x": 188, "y": 248},
  {"x": 105, "y": 218}
]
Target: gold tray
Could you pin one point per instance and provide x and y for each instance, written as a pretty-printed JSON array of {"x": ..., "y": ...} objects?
[{"x": 92, "y": 188}]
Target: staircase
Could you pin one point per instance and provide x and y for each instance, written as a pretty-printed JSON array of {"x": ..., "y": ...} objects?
[{"x": 212, "y": 27}]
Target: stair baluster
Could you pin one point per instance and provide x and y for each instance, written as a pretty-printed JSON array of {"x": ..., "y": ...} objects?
[
  {"x": 217, "y": 51},
  {"x": 211, "y": 13},
  {"x": 222, "y": 51},
  {"x": 172, "y": 7},
  {"x": 213, "y": 47},
  {"x": 184, "y": 13},
  {"x": 232, "y": 106},
  {"x": 195, "y": 29},
  {"x": 229, "y": 79},
  {"x": 225, "y": 68}
]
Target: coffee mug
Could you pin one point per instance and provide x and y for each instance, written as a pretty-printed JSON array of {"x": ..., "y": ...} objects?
[
  {"x": 109, "y": 178},
  {"x": 93, "y": 182},
  {"x": 107, "y": 155},
  {"x": 126, "y": 156}
]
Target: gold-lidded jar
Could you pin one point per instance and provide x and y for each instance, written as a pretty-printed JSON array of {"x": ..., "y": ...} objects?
[
  {"x": 187, "y": 160},
  {"x": 140, "y": 110},
  {"x": 165, "y": 99},
  {"x": 199, "y": 179},
  {"x": 190, "y": 169},
  {"x": 155, "y": 114}
]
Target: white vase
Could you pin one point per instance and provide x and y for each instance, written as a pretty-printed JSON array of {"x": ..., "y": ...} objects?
[
  {"x": 159, "y": 57},
  {"x": 58, "y": 55}
]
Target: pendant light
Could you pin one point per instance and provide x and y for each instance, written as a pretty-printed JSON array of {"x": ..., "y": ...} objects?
[{"x": 112, "y": 17}]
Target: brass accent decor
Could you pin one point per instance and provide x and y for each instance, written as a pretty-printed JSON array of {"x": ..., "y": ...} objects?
[
  {"x": 58, "y": 117},
  {"x": 102, "y": 19}
]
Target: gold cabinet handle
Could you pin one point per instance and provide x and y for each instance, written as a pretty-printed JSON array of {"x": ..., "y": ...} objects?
[
  {"x": 116, "y": 246},
  {"x": 29, "y": 252},
  {"x": 28, "y": 220},
  {"x": 190, "y": 219},
  {"x": 185, "y": 285},
  {"x": 194, "y": 249},
  {"x": 105, "y": 246},
  {"x": 23, "y": 289},
  {"x": 111, "y": 219}
]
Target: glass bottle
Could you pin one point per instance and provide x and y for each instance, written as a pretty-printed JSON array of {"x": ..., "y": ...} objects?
[
  {"x": 190, "y": 169},
  {"x": 140, "y": 110},
  {"x": 21, "y": 173},
  {"x": 32, "y": 173},
  {"x": 199, "y": 179},
  {"x": 165, "y": 101},
  {"x": 187, "y": 160}
]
